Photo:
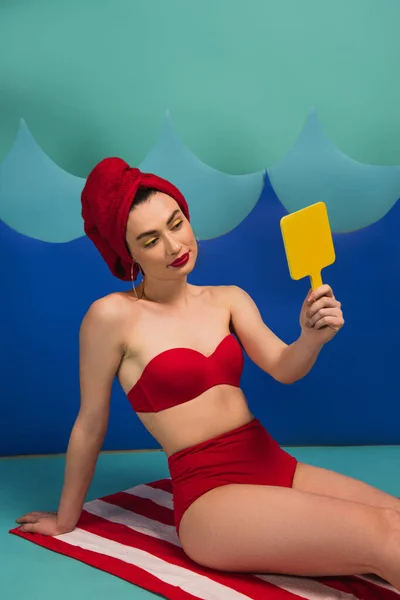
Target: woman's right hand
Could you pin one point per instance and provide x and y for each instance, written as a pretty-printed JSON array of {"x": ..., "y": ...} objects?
[{"x": 41, "y": 522}]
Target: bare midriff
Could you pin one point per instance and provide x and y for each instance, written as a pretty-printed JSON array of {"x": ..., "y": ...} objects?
[{"x": 216, "y": 411}]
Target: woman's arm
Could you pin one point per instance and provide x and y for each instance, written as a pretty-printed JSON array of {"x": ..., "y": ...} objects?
[
  {"x": 100, "y": 355},
  {"x": 285, "y": 363}
]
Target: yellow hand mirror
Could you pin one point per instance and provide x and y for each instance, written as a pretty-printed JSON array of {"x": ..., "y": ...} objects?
[{"x": 307, "y": 238}]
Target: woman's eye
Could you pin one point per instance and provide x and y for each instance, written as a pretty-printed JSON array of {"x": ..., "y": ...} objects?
[
  {"x": 176, "y": 225},
  {"x": 150, "y": 242}
]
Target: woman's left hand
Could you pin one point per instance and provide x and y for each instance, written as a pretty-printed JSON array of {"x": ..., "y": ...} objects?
[{"x": 321, "y": 316}]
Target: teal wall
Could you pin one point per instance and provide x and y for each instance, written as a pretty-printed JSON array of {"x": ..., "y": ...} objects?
[{"x": 94, "y": 77}]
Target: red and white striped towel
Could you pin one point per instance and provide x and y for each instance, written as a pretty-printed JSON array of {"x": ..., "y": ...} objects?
[{"x": 131, "y": 534}]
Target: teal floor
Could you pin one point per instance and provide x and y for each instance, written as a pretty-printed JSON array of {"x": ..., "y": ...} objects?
[{"x": 27, "y": 484}]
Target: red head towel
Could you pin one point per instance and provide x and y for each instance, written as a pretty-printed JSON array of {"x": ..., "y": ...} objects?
[{"x": 107, "y": 198}]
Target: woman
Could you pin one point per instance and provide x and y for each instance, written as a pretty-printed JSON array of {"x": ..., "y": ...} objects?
[{"x": 176, "y": 349}]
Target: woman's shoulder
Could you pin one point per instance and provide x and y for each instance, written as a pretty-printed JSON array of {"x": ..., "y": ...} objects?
[
  {"x": 221, "y": 294},
  {"x": 111, "y": 310},
  {"x": 223, "y": 291}
]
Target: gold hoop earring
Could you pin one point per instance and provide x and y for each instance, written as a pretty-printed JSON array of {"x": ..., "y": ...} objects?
[{"x": 133, "y": 282}]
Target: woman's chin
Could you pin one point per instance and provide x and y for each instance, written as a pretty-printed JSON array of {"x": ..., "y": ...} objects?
[
  {"x": 191, "y": 263},
  {"x": 185, "y": 270}
]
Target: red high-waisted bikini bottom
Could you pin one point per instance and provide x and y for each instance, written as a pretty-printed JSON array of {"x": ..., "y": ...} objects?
[{"x": 247, "y": 454}]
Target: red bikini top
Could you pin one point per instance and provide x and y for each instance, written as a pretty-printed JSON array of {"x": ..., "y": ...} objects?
[{"x": 180, "y": 374}]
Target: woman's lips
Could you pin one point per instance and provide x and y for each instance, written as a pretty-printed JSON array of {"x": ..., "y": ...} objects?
[{"x": 182, "y": 260}]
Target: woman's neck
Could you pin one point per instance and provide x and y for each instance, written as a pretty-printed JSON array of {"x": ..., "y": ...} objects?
[{"x": 173, "y": 292}]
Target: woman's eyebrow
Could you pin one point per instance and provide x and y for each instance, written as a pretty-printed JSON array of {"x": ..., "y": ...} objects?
[{"x": 154, "y": 231}]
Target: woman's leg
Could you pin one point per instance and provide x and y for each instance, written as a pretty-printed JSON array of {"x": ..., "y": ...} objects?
[
  {"x": 269, "y": 529},
  {"x": 321, "y": 481}
]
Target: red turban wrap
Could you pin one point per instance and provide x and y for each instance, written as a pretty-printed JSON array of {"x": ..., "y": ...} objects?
[{"x": 107, "y": 198}]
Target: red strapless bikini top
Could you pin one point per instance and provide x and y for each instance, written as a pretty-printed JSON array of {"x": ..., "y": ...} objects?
[{"x": 177, "y": 375}]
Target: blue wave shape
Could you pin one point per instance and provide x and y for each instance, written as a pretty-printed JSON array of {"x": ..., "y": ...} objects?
[
  {"x": 218, "y": 202},
  {"x": 356, "y": 194},
  {"x": 354, "y": 377},
  {"x": 44, "y": 202},
  {"x": 37, "y": 197}
]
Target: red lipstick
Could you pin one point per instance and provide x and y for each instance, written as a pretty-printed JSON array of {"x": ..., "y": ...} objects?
[{"x": 180, "y": 261}]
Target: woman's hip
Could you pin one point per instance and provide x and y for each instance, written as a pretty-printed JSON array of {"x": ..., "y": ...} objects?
[{"x": 247, "y": 454}]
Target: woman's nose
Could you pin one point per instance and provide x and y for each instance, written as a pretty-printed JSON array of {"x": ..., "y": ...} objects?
[{"x": 172, "y": 245}]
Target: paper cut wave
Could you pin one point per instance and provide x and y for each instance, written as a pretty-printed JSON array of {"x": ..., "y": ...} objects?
[
  {"x": 356, "y": 194},
  {"x": 37, "y": 197},
  {"x": 41, "y": 200},
  {"x": 218, "y": 202}
]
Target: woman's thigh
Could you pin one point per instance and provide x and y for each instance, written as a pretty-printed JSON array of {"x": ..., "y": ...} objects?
[
  {"x": 253, "y": 528},
  {"x": 317, "y": 480}
]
